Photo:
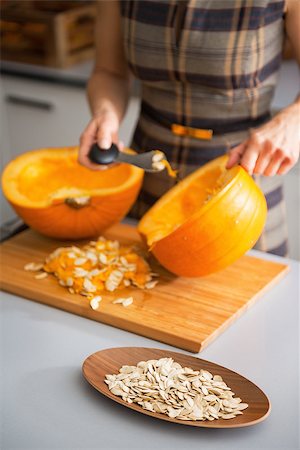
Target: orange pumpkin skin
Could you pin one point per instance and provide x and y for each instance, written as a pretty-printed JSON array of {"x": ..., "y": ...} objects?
[
  {"x": 61, "y": 221},
  {"x": 218, "y": 233},
  {"x": 64, "y": 219}
]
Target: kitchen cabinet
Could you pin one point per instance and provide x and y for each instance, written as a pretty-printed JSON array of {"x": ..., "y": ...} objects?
[
  {"x": 40, "y": 114},
  {"x": 5, "y": 210}
]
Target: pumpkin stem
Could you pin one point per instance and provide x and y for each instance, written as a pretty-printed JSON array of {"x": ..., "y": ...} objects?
[{"x": 77, "y": 202}]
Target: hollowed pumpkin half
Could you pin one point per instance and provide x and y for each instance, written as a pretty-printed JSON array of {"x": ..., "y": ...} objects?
[
  {"x": 206, "y": 221},
  {"x": 58, "y": 197}
]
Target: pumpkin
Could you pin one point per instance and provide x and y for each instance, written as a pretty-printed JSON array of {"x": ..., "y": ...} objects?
[
  {"x": 60, "y": 198},
  {"x": 206, "y": 221}
]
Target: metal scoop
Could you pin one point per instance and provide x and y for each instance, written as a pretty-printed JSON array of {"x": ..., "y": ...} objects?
[{"x": 148, "y": 161}]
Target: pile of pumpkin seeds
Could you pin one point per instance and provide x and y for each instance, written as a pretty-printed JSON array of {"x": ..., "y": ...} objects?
[
  {"x": 164, "y": 386},
  {"x": 100, "y": 266}
]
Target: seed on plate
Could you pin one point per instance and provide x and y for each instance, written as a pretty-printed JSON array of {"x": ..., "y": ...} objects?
[
  {"x": 217, "y": 378},
  {"x": 148, "y": 385},
  {"x": 241, "y": 406},
  {"x": 227, "y": 416}
]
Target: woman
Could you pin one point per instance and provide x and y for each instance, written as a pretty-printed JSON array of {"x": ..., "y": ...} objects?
[{"x": 203, "y": 66}]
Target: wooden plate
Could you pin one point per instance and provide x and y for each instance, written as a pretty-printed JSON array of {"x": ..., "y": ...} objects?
[{"x": 109, "y": 361}]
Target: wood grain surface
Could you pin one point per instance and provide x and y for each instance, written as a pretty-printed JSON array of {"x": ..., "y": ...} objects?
[
  {"x": 109, "y": 361},
  {"x": 188, "y": 313}
]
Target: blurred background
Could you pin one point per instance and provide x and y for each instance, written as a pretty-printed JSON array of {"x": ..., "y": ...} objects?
[{"x": 47, "y": 52}]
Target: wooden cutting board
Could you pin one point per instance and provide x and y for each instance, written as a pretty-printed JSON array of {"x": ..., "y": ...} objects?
[{"x": 185, "y": 312}]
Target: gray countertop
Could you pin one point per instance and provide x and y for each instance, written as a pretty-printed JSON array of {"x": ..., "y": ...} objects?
[
  {"x": 47, "y": 404},
  {"x": 77, "y": 75}
]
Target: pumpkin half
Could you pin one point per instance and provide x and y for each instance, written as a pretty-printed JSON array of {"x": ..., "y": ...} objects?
[
  {"x": 206, "y": 221},
  {"x": 60, "y": 198}
]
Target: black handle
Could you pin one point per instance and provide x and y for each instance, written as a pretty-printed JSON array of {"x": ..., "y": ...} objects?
[
  {"x": 31, "y": 102},
  {"x": 101, "y": 156},
  {"x": 11, "y": 227}
]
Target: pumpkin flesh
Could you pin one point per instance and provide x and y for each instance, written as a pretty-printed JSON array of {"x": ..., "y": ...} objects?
[
  {"x": 62, "y": 199},
  {"x": 207, "y": 221}
]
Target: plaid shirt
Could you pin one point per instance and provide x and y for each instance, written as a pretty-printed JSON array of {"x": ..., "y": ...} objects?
[{"x": 218, "y": 68}]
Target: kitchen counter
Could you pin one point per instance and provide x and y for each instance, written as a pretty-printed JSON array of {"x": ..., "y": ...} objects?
[
  {"x": 76, "y": 75},
  {"x": 47, "y": 404}
]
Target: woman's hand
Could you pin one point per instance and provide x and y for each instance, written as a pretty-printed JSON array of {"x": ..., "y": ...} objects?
[
  {"x": 273, "y": 148},
  {"x": 109, "y": 84},
  {"x": 103, "y": 129}
]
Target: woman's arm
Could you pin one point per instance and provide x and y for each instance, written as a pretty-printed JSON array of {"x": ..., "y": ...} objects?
[
  {"x": 108, "y": 87},
  {"x": 273, "y": 149}
]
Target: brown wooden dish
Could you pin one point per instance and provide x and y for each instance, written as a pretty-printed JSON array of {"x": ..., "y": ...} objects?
[{"x": 109, "y": 361}]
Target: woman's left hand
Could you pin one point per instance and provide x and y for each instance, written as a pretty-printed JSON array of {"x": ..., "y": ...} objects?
[{"x": 273, "y": 148}]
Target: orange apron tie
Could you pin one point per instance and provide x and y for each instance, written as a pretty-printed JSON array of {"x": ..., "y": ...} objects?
[{"x": 198, "y": 133}]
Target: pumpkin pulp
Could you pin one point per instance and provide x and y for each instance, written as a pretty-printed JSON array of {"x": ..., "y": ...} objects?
[
  {"x": 58, "y": 197},
  {"x": 207, "y": 221},
  {"x": 184, "y": 200},
  {"x": 46, "y": 176}
]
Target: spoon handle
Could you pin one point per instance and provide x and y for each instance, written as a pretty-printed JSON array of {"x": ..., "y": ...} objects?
[
  {"x": 101, "y": 156},
  {"x": 106, "y": 157}
]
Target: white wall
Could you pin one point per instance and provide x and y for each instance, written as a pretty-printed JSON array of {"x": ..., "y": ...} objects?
[{"x": 287, "y": 89}]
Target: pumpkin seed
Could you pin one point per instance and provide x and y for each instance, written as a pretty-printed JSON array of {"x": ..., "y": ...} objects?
[
  {"x": 103, "y": 258},
  {"x": 151, "y": 284},
  {"x": 80, "y": 261},
  {"x": 94, "y": 303},
  {"x": 41, "y": 276},
  {"x": 124, "y": 301},
  {"x": 158, "y": 156},
  {"x": 97, "y": 266},
  {"x": 89, "y": 286},
  {"x": 127, "y": 302},
  {"x": 118, "y": 300},
  {"x": 69, "y": 282},
  {"x": 150, "y": 380},
  {"x": 80, "y": 272},
  {"x": 33, "y": 267},
  {"x": 158, "y": 165}
]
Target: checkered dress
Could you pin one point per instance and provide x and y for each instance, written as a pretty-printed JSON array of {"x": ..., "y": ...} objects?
[{"x": 210, "y": 65}]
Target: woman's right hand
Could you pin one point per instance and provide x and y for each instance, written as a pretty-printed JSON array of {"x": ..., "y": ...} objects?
[{"x": 103, "y": 130}]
